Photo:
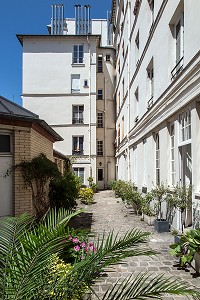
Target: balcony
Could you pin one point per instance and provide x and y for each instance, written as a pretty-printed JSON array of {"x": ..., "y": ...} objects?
[{"x": 77, "y": 121}]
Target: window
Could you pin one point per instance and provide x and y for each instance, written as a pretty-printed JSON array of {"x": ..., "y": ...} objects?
[
  {"x": 185, "y": 126},
  {"x": 107, "y": 57},
  {"x": 5, "y": 143},
  {"x": 118, "y": 102},
  {"x": 137, "y": 44},
  {"x": 172, "y": 138},
  {"x": 136, "y": 104},
  {"x": 118, "y": 135},
  {"x": 80, "y": 173},
  {"x": 122, "y": 127},
  {"x": 77, "y": 144},
  {"x": 151, "y": 5},
  {"x": 123, "y": 94},
  {"x": 77, "y": 114},
  {"x": 75, "y": 81},
  {"x": 85, "y": 83},
  {"x": 145, "y": 161},
  {"x": 178, "y": 35},
  {"x": 100, "y": 148},
  {"x": 100, "y": 64},
  {"x": 157, "y": 159},
  {"x": 150, "y": 74},
  {"x": 78, "y": 54},
  {"x": 100, "y": 94},
  {"x": 123, "y": 49},
  {"x": 100, "y": 120},
  {"x": 100, "y": 174}
]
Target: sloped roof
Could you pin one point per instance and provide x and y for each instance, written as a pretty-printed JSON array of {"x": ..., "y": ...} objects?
[
  {"x": 8, "y": 107},
  {"x": 10, "y": 110}
]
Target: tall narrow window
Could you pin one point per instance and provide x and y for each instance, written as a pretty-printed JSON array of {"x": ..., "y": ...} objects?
[
  {"x": 77, "y": 145},
  {"x": 99, "y": 94},
  {"x": 119, "y": 69},
  {"x": 172, "y": 137},
  {"x": 100, "y": 148},
  {"x": 100, "y": 64},
  {"x": 179, "y": 47},
  {"x": 150, "y": 74},
  {"x": 145, "y": 161},
  {"x": 118, "y": 135},
  {"x": 185, "y": 126},
  {"x": 151, "y": 5},
  {"x": 157, "y": 159},
  {"x": 80, "y": 173},
  {"x": 136, "y": 104},
  {"x": 122, "y": 127},
  {"x": 137, "y": 45},
  {"x": 77, "y": 114},
  {"x": 123, "y": 93},
  {"x": 78, "y": 54},
  {"x": 75, "y": 83},
  {"x": 100, "y": 120}
]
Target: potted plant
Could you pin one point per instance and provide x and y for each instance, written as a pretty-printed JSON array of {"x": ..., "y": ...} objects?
[
  {"x": 188, "y": 250},
  {"x": 163, "y": 207},
  {"x": 183, "y": 200},
  {"x": 148, "y": 213}
]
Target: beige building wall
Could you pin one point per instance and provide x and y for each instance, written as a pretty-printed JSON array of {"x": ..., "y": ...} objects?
[{"x": 106, "y": 106}]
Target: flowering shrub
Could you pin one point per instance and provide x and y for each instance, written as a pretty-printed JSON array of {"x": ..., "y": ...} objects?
[
  {"x": 76, "y": 249},
  {"x": 59, "y": 271},
  {"x": 86, "y": 195}
]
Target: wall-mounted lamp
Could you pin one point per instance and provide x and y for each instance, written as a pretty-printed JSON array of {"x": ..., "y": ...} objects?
[{"x": 100, "y": 164}]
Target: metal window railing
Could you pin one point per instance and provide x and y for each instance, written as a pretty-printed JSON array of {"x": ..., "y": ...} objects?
[{"x": 177, "y": 69}]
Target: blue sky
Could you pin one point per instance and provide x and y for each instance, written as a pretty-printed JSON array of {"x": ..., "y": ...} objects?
[{"x": 29, "y": 17}]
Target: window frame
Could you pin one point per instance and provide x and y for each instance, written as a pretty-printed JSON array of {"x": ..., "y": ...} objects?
[
  {"x": 80, "y": 119},
  {"x": 100, "y": 63},
  {"x": 10, "y": 143},
  {"x": 73, "y": 76},
  {"x": 99, "y": 95},
  {"x": 100, "y": 120},
  {"x": 79, "y": 59},
  {"x": 99, "y": 147},
  {"x": 77, "y": 173},
  {"x": 157, "y": 158},
  {"x": 79, "y": 147}
]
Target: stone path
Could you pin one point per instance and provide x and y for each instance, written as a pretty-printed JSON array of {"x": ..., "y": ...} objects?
[{"x": 109, "y": 213}]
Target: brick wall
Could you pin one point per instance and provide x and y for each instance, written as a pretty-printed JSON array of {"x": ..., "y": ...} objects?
[{"x": 28, "y": 143}]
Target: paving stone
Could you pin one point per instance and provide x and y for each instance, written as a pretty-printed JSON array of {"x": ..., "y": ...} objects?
[{"x": 110, "y": 213}]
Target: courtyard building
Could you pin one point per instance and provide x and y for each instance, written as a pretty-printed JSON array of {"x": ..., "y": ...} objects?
[
  {"x": 158, "y": 94},
  {"x": 68, "y": 80}
]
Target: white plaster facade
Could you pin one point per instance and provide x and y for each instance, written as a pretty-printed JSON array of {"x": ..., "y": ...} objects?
[
  {"x": 48, "y": 90},
  {"x": 158, "y": 110}
]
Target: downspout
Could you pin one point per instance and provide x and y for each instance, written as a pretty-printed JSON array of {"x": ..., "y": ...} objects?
[
  {"x": 105, "y": 123},
  {"x": 128, "y": 104},
  {"x": 89, "y": 79}
]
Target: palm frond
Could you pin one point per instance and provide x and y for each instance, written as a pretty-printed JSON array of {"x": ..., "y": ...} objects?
[{"x": 144, "y": 286}]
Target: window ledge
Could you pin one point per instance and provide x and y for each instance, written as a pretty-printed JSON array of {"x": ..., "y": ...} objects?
[{"x": 78, "y": 65}]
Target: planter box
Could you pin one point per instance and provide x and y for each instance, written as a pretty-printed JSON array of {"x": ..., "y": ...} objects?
[
  {"x": 161, "y": 225},
  {"x": 149, "y": 219},
  {"x": 177, "y": 239},
  {"x": 197, "y": 262}
]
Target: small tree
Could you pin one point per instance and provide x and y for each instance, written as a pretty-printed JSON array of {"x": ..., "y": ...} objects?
[
  {"x": 64, "y": 190},
  {"x": 37, "y": 174}
]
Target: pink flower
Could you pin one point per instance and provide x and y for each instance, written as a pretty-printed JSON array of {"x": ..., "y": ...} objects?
[
  {"x": 76, "y": 248},
  {"x": 75, "y": 240},
  {"x": 86, "y": 249},
  {"x": 70, "y": 238},
  {"x": 92, "y": 248},
  {"x": 83, "y": 244}
]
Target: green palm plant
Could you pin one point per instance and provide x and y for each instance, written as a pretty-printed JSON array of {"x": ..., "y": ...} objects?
[{"x": 27, "y": 248}]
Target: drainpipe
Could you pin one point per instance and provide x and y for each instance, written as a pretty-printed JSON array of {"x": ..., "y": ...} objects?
[
  {"x": 89, "y": 79},
  {"x": 128, "y": 104},
  {"x": 105, "y": 123}
]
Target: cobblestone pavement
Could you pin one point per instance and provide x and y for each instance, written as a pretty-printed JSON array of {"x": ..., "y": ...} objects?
[{"x": 110, "y": 213}]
